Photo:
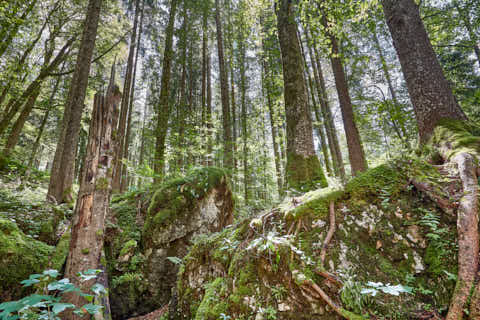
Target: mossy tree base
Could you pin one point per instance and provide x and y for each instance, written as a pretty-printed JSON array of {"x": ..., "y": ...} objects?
[{"x": 304, "y": 174}]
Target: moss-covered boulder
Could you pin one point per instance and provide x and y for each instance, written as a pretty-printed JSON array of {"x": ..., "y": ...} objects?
[
  {"x": 392, "y": 255},
  {"x": 21, "y": 256},
  {"x": 152, "y": 231}
]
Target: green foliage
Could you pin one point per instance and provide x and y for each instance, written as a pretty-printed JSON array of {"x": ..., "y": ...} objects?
[{"x": 47, "y": 302}]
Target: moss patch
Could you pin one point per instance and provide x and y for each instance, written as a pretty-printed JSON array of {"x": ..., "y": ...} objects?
[
  {"x": 20, "y": 256},
  {"x": 457, "y": 136}
]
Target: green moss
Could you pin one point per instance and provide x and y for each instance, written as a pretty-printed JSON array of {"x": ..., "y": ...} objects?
[
  {"x": 315, "y": 204},
  {"x": 304, "y": 174},
  {"x": 372, "y": 182},
  {"x": 85, "y": 251},
  {"x": 20, "y": 256},
  {"x": 458, "y": 136},
  {"x": 61, "y": 251},
  {"x": 179, "y": 196},
  {"x": 213, "y": 304}
]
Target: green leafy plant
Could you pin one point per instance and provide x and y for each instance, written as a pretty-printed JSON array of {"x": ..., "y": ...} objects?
[
  {"x": 373, "y": 288},
  {"x": 46, "y": 303}
]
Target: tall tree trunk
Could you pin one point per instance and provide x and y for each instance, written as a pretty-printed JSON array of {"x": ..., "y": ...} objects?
[
  {"x": 182, "y": 105},
  {"x": 268, "y": 93},
  {"x": 122, "y": 124},
  {"x": 124, "y": 181},
  {"x": 303, "y": 170},
  {"x": 61, "y": 180},
  {"x": 164, "y": 108},
  {"x": 356, "y": 154},
  {"x": 14, "y": 135},
  {"x": 325, "y": 109},
  {"x": 209, "y": 111},
  {"x": 204, "y": 79},
  {"x": 433, "y": 101},
  {"x": 429, "y": 90},
  {"x": 227, "y": 130},
  {"x": 86, "y": 243},
  {"x": 243, "y": 88},
  {"x": 36, "y": 144},
  {"x": 318, "y": 126}
]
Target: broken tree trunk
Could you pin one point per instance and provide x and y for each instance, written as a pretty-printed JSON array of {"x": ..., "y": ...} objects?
[{"x": 86, "y": 243}]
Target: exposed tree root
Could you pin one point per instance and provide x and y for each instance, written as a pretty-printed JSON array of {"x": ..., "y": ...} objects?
[
  {"x": 312, "y": 286},
  {"x": 330, "y": 233},
  {"x": 330, "y": 277},
  {"x": 467, "y": 228}
]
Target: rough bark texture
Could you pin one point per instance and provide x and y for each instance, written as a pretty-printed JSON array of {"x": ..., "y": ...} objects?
[
  {"x": 429, "y": 90},
  {"x": 86, "y": 244},
  {"x": 163, "y": 108},
  {"x": 303, "y": 167},
  {"x": 61, "y": 181},
  {"x": 356, "y": 154}
]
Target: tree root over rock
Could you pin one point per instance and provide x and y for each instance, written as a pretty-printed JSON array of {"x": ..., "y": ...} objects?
[{"x": 467, "y": 228}]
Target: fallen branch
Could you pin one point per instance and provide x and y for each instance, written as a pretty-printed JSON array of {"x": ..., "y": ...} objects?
[{"x": 339, "y": 310}]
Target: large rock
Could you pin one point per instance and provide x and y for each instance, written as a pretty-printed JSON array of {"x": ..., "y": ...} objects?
[
  {"x": 21, "y": 256},
  {"x": 145, "y": 267},
  {"x": 389, "y": 239}
]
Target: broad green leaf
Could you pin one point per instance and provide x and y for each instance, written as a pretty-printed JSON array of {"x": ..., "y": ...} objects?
[{"x": 59, "y": 307}]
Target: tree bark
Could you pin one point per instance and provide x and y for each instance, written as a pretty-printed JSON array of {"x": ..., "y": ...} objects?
[
  {"x": 209, "y": 110},
  {"x": 204, "y": 80},
  {"x": 61, "y": 181},
  {"x": 164, "y": 108},
  {"x": 86, "y": 244},
  {"x": 429, "y": 90},
  {"x": 356, "y": 154},
  {"x": 268, "y": 93},
  {"x": 227, "y": 131},
  {"x": 325, "y": 108},
  {"x": 318, "y": 126},
  {"x": 120, "y": 135},
  {"x": 303, "y": 170},
  {"x": 124, "y": 181}
]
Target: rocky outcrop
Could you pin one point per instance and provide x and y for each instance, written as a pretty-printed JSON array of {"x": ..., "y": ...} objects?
[
  {"x": 144, "y": 257},
  {"x": 392, "y": 254}
]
